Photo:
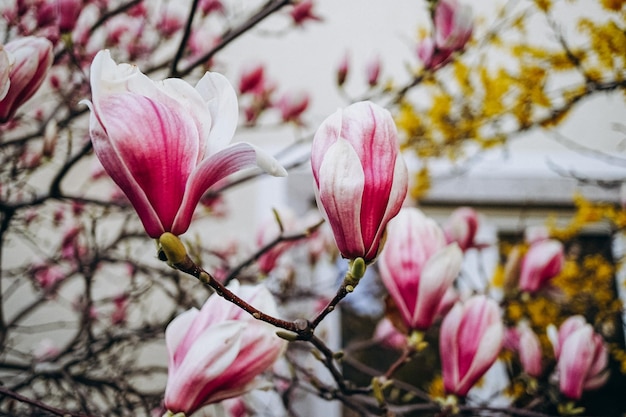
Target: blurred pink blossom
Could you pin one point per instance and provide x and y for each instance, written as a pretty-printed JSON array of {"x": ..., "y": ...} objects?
[
  {"x": 292, "y": 106},
  {"x": 211, "y": 6},
  {"x": 372, "y": 71},
  {"x": 48, "y": 275},
  {"x": 582, "y": 358},
  {"x": 343, "y": 69},
  {"x": 67, "y": 13},
  {"x": 470, "y": 340},
  {"x": 45, "y": 350},
  {"x": 120, "y": 309},
  {"x": 387, "y": 334},
  {"x": 461, "y": 227},
  {"x": 417, "y": 266},
  {"x": 543, "y": 261},
  {"x": 454, "y": 24},
  {"x": 235, "y": 407},
  {"x": 253, "y": 80},
  {"x": 302, "y": 11},
  {"x": 32, "y": 58},
  {"x": 170, "y": 22},
  {"x": 523, "y": 340}
]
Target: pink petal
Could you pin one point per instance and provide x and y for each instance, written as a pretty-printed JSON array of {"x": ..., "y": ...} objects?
[
  {"x": 260, "y": 348},
  {"x": 486, "y": 354},
  {"x": 475, "y": 321},
  {"x": 118, "y": 171},
  {"x": 372, "y": 133},
  {"x": 211, "y": 170},
  {"x": 208, "y": 358},
  {"x": 175, "y": 334},
  {"x": 32, "y": 58},
  {"x": 412, "y": 239},
  {"x": 159, "y": 153},
  {"x": 340, "y": 193},
  {"x": 221, "y": 100},
  {"x": 449, "y": 347},
  {"x": 437, "y": 276},
  {"x": 575, "y": 360},
  {"x": 327, "y": 134},
  {"x": 215, "y": 310}
]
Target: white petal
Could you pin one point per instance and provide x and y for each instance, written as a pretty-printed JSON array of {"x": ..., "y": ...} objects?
[{"x": 221, "y": 100}]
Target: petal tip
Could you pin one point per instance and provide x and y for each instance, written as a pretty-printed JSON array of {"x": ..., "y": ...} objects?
[{"x": 270, "y": 165}]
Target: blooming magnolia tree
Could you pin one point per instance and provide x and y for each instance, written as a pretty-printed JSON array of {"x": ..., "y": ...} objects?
[{"x": 116, "y": 126}]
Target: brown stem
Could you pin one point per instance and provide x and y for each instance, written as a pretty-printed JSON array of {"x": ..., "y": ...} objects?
[
  {"x": 407, "y": 354},
  {"x": 183, "y": 41},
  {"x": 189, "y": 267},
  {"x": 267, "y": 10},
  {"x": 347, "y": 286},
  {"x": 56, "y": 411}
]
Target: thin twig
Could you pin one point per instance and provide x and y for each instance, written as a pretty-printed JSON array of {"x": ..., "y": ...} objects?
[
  {"x": 230, "y": 35},
  {"x": 38, "y": 404}
]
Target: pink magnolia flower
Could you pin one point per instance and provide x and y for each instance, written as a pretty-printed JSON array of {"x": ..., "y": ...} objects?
[
  {"x": 210, "y": 6},
  {"x": 46, "y": 14},
  {"x": 372, "y": 70},
  {"x": 252, "y": 80},
  {"x": 170, "y": 22},
  {"x": 120, "y": 309},
  {"x": 302, "y": 11},
  {"x": 543, "y": 261},
  {"x": 523, "y": 340},
  {"x": 461, "y": 227},
  {"x": 453, "y": 25},
  {"x": 425, "y": 52},
  {"x": 291, "y": 106},
  {"x": 216, "y": 353},
  {"x": 582, "y": 358},
  {"x": 360, "y": 176},
  {"x": 47, "y": 276},
  {"x": 470, "y": 341},
  {"x": 432, "y": 57},
  {"x": 342, "y": 70},
  {"x": 67, "y": 13},
  {"x": 32, "y": 57},
  {"x": 568, "y": 327},
  {"x": 235, "y": 407},
  {"x": 168, "y": 161},
  {"x": 417, "y": 266},
  {"x": 71, "y": 246}
]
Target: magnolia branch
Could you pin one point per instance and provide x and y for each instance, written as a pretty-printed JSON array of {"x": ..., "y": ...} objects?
[{"x": 38, "y": 404}]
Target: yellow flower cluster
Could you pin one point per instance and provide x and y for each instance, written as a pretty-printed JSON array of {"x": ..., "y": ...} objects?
[
  {"x": 585, "y": 286},
  {"x": 469, "y": 101},
  {"x": 436, "y": 388},
  {"x": 587, "y": 213}
]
